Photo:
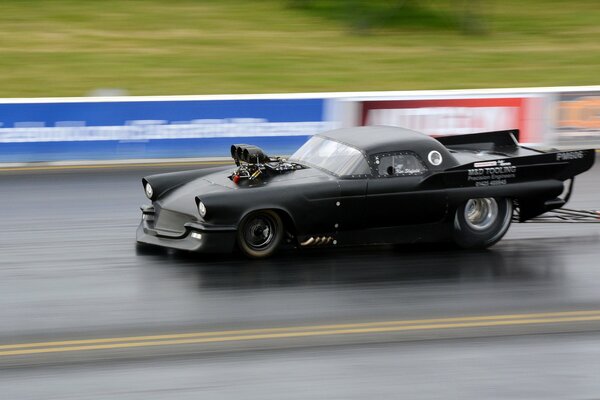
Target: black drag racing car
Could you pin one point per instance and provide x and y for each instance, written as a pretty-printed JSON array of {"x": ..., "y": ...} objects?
[{"x": 362, "y": 185}]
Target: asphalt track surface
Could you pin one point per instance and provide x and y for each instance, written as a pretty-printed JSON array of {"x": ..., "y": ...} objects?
[{"x": 84, "y": 315}]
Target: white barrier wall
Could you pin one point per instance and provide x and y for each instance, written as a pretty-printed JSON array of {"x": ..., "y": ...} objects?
[
  {"x": 73, "y": 129},
  {"x": 551, "y": 117}
]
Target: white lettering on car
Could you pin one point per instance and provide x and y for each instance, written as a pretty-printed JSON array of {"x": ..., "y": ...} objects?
[
  {"x": 491, "y": 176},
  {"x": 569, "y": 155}
]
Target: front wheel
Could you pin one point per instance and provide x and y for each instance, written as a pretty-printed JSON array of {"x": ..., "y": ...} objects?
[
  {"x": 260, "y": 233},
  {"x": 480, "y": 223}
]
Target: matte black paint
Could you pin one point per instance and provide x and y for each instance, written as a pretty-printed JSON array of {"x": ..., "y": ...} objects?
[{"x": 360, "y": 210}]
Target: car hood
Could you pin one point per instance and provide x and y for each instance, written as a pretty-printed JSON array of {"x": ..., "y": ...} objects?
[{"x": 183, "y": 198}]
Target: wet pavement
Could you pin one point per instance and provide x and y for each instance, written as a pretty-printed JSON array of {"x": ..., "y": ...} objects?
[{"x": 70, "y": 269}]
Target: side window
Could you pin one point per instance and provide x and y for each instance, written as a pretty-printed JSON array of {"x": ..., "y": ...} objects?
[{"x": 402, "y": 163}]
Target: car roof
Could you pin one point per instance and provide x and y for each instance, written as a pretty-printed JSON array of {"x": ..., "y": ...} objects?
[{"x": 374, "y": 139}]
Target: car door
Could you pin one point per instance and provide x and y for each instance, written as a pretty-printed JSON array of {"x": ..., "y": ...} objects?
[
  {"x": 353, "y": 192},
  {"x": 394, "y": 193}
]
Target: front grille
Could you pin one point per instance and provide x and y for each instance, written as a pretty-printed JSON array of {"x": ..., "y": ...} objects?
[{"x": 170, "y": 222}]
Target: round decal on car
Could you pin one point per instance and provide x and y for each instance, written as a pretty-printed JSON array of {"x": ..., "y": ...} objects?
[{"x": 434, "y": 157}]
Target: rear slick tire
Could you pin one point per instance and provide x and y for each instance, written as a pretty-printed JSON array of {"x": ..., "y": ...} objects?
[
  {"x": 480, "y": 223},
  {"x": 260, "y": 234}
]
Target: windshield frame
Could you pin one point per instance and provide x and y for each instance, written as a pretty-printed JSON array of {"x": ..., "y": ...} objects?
[{"x": 330, "y": 172}]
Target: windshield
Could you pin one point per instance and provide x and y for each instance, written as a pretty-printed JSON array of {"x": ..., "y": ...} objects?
[{"x": 331, "y": 156}]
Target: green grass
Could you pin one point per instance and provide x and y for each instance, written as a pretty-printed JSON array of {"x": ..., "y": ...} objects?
[{"x": 150, "y": 47}]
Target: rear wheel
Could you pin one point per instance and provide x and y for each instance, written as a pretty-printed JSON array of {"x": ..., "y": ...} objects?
[
  {"x": 260, "y": 233},
  {"x": 481, "y": 222}
]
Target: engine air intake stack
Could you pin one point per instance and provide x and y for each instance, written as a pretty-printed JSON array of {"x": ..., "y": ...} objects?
[{"x": 248, "y": 154}]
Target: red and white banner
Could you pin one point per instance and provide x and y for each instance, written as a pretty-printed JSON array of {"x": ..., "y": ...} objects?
[{"x": 439, "y": 117}]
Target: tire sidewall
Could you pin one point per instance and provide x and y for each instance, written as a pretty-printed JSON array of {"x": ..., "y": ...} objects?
[
  {"x": 467, "y": 237},
  {"x": 247, "y": 250}
]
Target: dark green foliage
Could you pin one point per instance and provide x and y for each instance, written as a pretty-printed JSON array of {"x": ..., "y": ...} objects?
[{"x": 366, "y": 16}]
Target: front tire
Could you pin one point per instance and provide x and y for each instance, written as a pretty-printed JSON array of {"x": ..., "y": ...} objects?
[
  {"x": 480, "y": 223},
  {"x": 260, "y": 234}
]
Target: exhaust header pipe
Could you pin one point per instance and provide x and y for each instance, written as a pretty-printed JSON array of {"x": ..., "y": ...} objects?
[{"x": 318, "y": 241}]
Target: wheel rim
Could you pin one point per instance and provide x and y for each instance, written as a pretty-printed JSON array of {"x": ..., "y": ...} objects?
[
  {"x": 480, "y": 214},
  {"x": 259, "y": 232}
]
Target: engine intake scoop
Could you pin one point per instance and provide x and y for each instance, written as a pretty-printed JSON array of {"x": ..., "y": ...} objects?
[{"x": 248, "y": 154}]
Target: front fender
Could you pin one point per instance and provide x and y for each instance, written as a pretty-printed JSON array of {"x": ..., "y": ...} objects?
[
  {"x": 311, "y": 208},
  {"x": 164, "y": 183}
]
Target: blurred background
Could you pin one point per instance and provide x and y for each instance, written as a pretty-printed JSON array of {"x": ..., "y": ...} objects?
[
  {"x": 145, "y": 47},
  {"x": 94, "y": 95}
]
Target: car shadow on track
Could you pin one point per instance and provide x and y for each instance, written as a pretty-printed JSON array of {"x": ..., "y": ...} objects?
[{"x": 375, "y": 265}]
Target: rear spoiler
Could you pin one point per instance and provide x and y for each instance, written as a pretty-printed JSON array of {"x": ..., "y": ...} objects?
[
  {"x": 483, "y": 140},
  {"x": 560, "y": 165}
]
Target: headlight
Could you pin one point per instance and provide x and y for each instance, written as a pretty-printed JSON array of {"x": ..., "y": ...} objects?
[
  {"x": 202, "y": 209},
  {"x": 149, "y": 191}
]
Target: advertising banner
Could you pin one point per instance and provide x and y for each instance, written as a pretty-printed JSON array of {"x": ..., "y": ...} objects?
[
  {"x": 136, "y": 129},
  {"x": 578, "y": 118},
  {"x": 89, "y": 129},
  {"x": 439, "y": 117}
]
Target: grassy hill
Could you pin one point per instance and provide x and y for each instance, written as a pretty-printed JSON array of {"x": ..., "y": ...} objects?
[{"x": 148, "y": 47}]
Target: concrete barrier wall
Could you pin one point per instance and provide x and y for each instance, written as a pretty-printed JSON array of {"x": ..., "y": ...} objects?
[{"x": 102, "y": 129}]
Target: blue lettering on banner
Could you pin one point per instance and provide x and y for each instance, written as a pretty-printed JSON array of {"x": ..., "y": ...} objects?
[{"x": 154, "y": 129}]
